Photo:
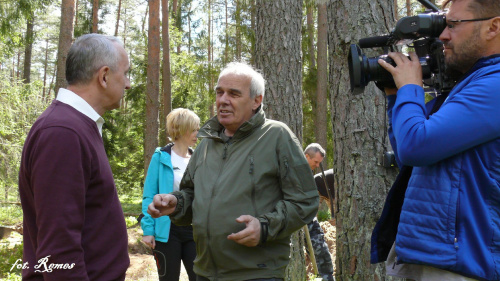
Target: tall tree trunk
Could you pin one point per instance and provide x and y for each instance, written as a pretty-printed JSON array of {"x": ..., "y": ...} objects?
[
  {"x": 408, "y": 7},
  {"x": 167, "y": 88},
  {"x": 278, "y": 55},
  {"x": 320, "y": 128},
  {"x": 45, "y": 66},
  {"x": 237, "y": 16},
  {"x": 118, "y": 17},
  {"x": 65, "y": 39},
  {"x": 28, "y": 48},
  {"x": 125, "y": 29},
  {"x": 95, "y": 17},
  {"x": 18, "y": 69},
  {"x": 310, "y": 33},
  {"x": 361, "y": 182},
  {"x": 226, "y": 48},
  {"x": 209, "y": 49},
  {"x": 152, "y": 83},
  {"x": 189, "y": 28},
  {"x": 253, "y": 19},
  {"x": 76, "y": 14},
  {"x": 396, "y": 16}
]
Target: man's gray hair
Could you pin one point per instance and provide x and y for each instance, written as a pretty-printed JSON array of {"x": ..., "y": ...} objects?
[
  {"x": 88, "y": 54},
  {"x": 314, "y": 148},
  {"x": 257, "y": 83}
]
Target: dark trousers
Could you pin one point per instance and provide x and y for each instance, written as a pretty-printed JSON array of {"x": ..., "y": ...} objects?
[
  {"x": 201, "y": 278},
  {"x": 168, "y": 256}
]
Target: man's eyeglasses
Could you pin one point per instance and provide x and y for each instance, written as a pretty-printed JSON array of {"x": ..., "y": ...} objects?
[{"x": 451, "y": 23}]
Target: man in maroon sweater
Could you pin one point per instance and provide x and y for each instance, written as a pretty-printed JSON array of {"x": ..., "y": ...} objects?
[{"x": 74, "y": 227}]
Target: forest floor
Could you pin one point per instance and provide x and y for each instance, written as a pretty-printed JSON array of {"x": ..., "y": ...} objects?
[{"x": 142, "y": 264}]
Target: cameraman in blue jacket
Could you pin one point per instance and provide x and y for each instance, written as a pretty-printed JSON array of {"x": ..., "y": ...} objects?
[{"x": 449, "y": 226}]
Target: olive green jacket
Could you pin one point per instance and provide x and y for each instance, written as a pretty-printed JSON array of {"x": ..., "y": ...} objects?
[{"x": 261, "y": 171}]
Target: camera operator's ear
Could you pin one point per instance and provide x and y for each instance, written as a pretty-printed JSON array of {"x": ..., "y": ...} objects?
[{"x": 493, "y": 29}]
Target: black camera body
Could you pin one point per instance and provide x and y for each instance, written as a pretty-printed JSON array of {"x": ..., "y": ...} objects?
[{"x": 420, "y": 32}]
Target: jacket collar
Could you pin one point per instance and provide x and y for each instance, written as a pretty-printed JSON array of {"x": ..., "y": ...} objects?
[{"x": 212, "y": 128}]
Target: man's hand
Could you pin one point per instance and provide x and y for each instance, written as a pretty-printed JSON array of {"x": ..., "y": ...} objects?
[
  {"x": 406, "y": 71},
  {"x": 162, "y": 205},
  {"x": 250, "y": 236},
  {"x": 149, "y": 240}
]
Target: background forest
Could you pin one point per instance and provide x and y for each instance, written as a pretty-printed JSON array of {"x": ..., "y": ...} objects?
[{"x": 176, "y": 49}]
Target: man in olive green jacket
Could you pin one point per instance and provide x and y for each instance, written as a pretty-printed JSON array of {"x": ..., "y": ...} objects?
[{"x": 247, "y": 188}]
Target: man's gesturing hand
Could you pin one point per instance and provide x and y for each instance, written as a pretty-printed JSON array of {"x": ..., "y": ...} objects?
[
  {"x": 162, "y": 205},
  {"x": 406, "y": 71},
  {"x": 250, "y": 236}
]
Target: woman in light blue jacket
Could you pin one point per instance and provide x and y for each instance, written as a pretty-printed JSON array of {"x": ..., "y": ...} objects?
[{"x": 170, "y": 243}]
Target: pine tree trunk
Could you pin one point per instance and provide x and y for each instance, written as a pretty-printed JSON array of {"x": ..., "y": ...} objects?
[
  {"x": 28, "y": 48},
  {"x": 45, "y": 66},
  {"x": 278, "y": 55},
  {"x": 321, "y": 127},
  {"x": 118, "y": 17},
  {"x": 361, "y": 183},
  {"x": 152, "y": 83},
  {"x": 65, "y": 39},
  {"x": 237, "y": 16},
  {"x": 95, "y": 17},
  {"x": 310, "y": 33},
  {"x": 167, "y": 88}
]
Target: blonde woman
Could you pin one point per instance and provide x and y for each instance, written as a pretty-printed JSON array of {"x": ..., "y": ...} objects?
[{"x": 170, "y": 243}]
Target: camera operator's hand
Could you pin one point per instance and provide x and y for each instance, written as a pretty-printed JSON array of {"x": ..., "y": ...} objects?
[{"x": 406, "y": 71}]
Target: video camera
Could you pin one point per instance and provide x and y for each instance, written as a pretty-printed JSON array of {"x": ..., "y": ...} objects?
[{"x": 420, "y": 32}]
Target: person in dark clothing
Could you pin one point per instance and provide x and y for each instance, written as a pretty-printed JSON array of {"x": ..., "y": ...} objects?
[
  {"x": 320, "y": 184},
  {"x": 74, "y": 228},
  {"x": 314, "y": 155}
]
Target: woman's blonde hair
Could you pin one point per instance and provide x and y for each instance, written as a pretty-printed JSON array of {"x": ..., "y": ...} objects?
[{"x": 180, "y": 121}]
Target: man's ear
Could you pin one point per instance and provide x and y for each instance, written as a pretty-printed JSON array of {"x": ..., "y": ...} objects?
[
  {"x": 257, "y": 102},
  {"x": 493, "y": 29},
  {"x": 102, "y": 76}
]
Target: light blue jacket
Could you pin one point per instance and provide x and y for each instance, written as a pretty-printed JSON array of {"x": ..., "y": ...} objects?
[
  {"x": 160, "y": 179},
  {"x": 451, "y": 212}
]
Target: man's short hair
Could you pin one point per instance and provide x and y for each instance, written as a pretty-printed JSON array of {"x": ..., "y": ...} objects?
[
  {"x": 480, "y": 8},
  {"x": 88, "y": 54},
  {"x": 180, "y": 121},
  {"x": 314, "y": 148},
  {"x": 257, "y": 83}
]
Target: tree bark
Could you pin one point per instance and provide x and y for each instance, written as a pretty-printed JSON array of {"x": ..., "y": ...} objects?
[
  {"x": 95, "y": 17},
  {"x": 237, "y": 16},
  {"x": 361, "y": 183},
  {"x": 408, "y": 7},
  {"x": 65, "y": 40},
  {"x": 320, "y": 128},
  {"x": 118, "y": 17},
  {"x": 152, "y": 83},
  {"x": 310, "y": 33},
  {"x": 28, "y": 48},
  {"x": 45, "y": 66},
  {"x": 278, "y": 55},
  {"x": 167, "y": 87}
]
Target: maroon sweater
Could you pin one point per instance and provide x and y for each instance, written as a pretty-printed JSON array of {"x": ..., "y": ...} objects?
[{"x": 73, "y": 221}]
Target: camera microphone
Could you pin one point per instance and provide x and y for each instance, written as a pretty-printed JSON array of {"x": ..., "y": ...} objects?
[{"x": 376, "y": 41}]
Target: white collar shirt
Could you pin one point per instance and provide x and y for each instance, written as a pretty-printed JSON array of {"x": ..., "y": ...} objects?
[{"x": 68, "y": 97}]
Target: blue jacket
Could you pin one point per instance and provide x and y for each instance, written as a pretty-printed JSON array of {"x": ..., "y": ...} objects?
[
  {"x": 159, "y": 179},
  {"x": 450, "y": 217}
]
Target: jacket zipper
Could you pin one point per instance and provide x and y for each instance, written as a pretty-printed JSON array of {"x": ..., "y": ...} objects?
[
  {"x": 224, "y": 155},
  {"x": 254, "y": 204}
]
